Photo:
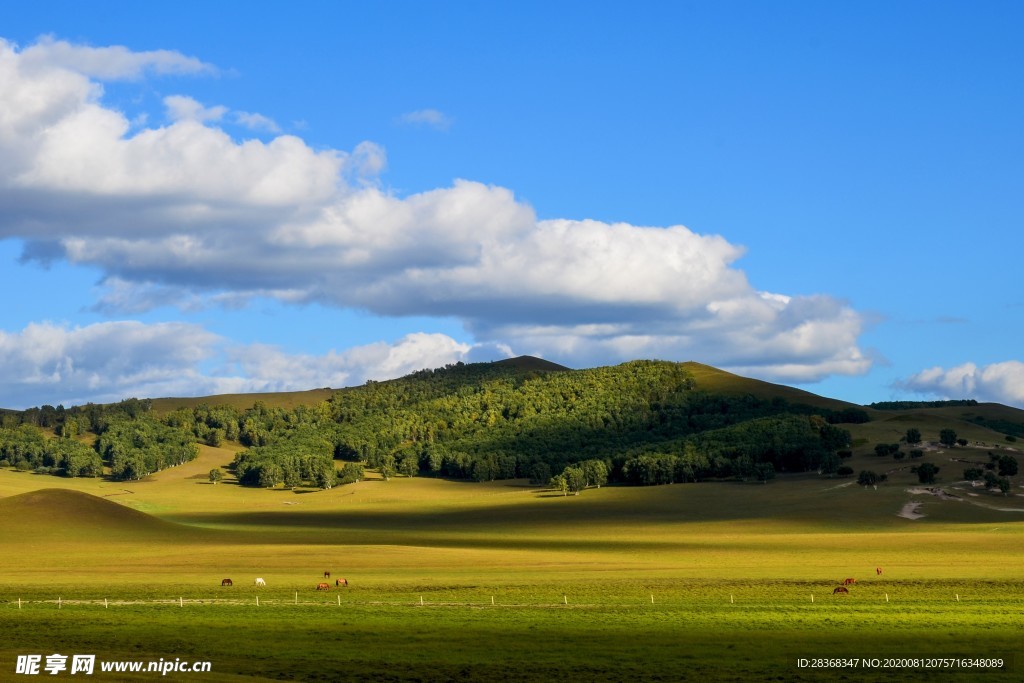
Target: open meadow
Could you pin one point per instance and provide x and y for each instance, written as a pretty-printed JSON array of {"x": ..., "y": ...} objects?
[{"x": 503, "y": 581}]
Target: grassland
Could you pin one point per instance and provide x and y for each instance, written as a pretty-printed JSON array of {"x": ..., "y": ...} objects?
[{"x": 467, "y": 581}]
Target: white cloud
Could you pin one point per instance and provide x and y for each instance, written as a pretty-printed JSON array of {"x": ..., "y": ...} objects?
[
  {"x": 431, "y": 118},
  {"x": 257, "y": 122},
  {"x": 185, "y": 212},
  {"x": 49, "y": 363},
  {"x": 181, "y": 108},
  {"x": 109, "y": 63},
  {"x": 998, "y": 382},
  {"x": 271, "y": 369}
]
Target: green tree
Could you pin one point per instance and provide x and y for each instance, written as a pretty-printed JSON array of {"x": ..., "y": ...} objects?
[
  {"x": 351, "y": 472},
  {"x": 539, "y": 473},
  {"x": 926, "y": 472},
  {"x": 947, "y": 437},
  {"x": 323, "y": 474},
  {"x": 292, "y": 476},
  {"x": 1007, "y": 466},
  {"x": 575, "y": 479},
  {"x": 559, "y": 483},
  {"x": 387, "y": 467},
  {"x": 595, "y": 473},
  {"x": 270, "y": 475},
  {"x": 867, "y": 478},
  {"x": 913, "y": 436},
  {"x": 216, "y": 475},
  {"x": 764, "y": 471},
  {"x": 973, "y": 473}
]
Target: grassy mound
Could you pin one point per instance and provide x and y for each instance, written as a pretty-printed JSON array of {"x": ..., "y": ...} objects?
[{"x": 63, "y": 513}]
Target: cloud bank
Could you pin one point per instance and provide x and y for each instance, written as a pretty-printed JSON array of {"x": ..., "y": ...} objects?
[
  {"x": 185, "y": 214},
  {"x": 49, "y": 363},
  {"x": 998, "y": 382}
]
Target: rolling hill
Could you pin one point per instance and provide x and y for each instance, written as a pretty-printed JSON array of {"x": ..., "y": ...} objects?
[
  {"x": 646, "y": 422},
  {"x": 59, "y": 513}
]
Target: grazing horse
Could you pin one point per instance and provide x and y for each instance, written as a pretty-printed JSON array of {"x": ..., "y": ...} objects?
[
  {"x": 226, "y": 582},
  {"x": 847, "y": 582},
  {"x": 341, "y": 582},
  {"x": 841, "y": 590},
  {"x": 261, "y": 582},
  {"x": 323, "y": 587},
  {"x": 878, "y": 571},
  {"x": 327, "y": 575}
]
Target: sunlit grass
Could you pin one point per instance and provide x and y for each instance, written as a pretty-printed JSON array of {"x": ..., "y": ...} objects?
[{"x": 455, "y": 580}]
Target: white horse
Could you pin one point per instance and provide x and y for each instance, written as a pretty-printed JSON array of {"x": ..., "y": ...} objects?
[{"x": 261, "y": 582}]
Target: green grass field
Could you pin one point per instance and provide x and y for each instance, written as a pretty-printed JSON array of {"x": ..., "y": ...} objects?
[{"x": 502, "y": 581}]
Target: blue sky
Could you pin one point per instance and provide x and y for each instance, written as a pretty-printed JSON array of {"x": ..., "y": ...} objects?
[{"x": 198, "y": 198}]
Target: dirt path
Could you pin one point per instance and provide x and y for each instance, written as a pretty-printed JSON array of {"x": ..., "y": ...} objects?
[{"x": 910, "y": 511}]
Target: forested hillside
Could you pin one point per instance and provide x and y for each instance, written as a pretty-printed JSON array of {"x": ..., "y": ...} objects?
[{"x": 643, "y": 422}]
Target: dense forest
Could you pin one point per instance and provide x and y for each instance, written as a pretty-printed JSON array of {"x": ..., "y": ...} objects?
[
  {"x": 643, "y": 422},
  {"x": 910, "y": 405}
]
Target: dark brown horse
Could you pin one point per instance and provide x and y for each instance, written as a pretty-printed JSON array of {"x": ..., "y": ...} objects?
[
  {"x": 848, "y": 582},
  {"x": 226, "y": 582},
  {"x": 323, "y": 586},
  {"x": 327, "y": 575},
  {"x": 841, "y": 590},
  {"x": 878, "y": 571},
  {"x": 341, "y": 582}
]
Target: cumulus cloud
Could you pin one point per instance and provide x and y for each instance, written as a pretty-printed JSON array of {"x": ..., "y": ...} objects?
[
  {"x": 50, "y": 363},
  {"x": 108, "y": 63},
  {"x": 181, "y": 108},
  {"x": 998, "y": 382},
  {"x": 257, "y": 122},
  {"x": 431, "y": 118},
  {"x": 186, "y": 212}
]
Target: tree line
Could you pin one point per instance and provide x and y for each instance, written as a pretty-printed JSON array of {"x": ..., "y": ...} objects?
[{"x": 646, "y": 422}]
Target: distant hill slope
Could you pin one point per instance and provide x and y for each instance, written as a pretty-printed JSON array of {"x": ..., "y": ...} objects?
[
  {"x": 66, "y": 513},
  {"x": 531, "y": 363},
  {"x": 717, "y": 381},
  {"x": 280, "y": 399}
]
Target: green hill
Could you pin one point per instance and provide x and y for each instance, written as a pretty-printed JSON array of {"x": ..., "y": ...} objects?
[
  {"x": 644, "y": 422},
  {"x": 55, "y": 513}
]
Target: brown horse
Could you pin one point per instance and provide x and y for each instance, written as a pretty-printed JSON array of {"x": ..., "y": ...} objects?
[
  {"x": 878, "y": 571},
  {"x": 226, "y": 582},
  {"x": 327, "y": 575},
  {"x": 323, "y": 587},
  {"x": 841, "y": 590},
  {"x": 341, "y": 582},
  {"x": 847, "y": 582}
]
